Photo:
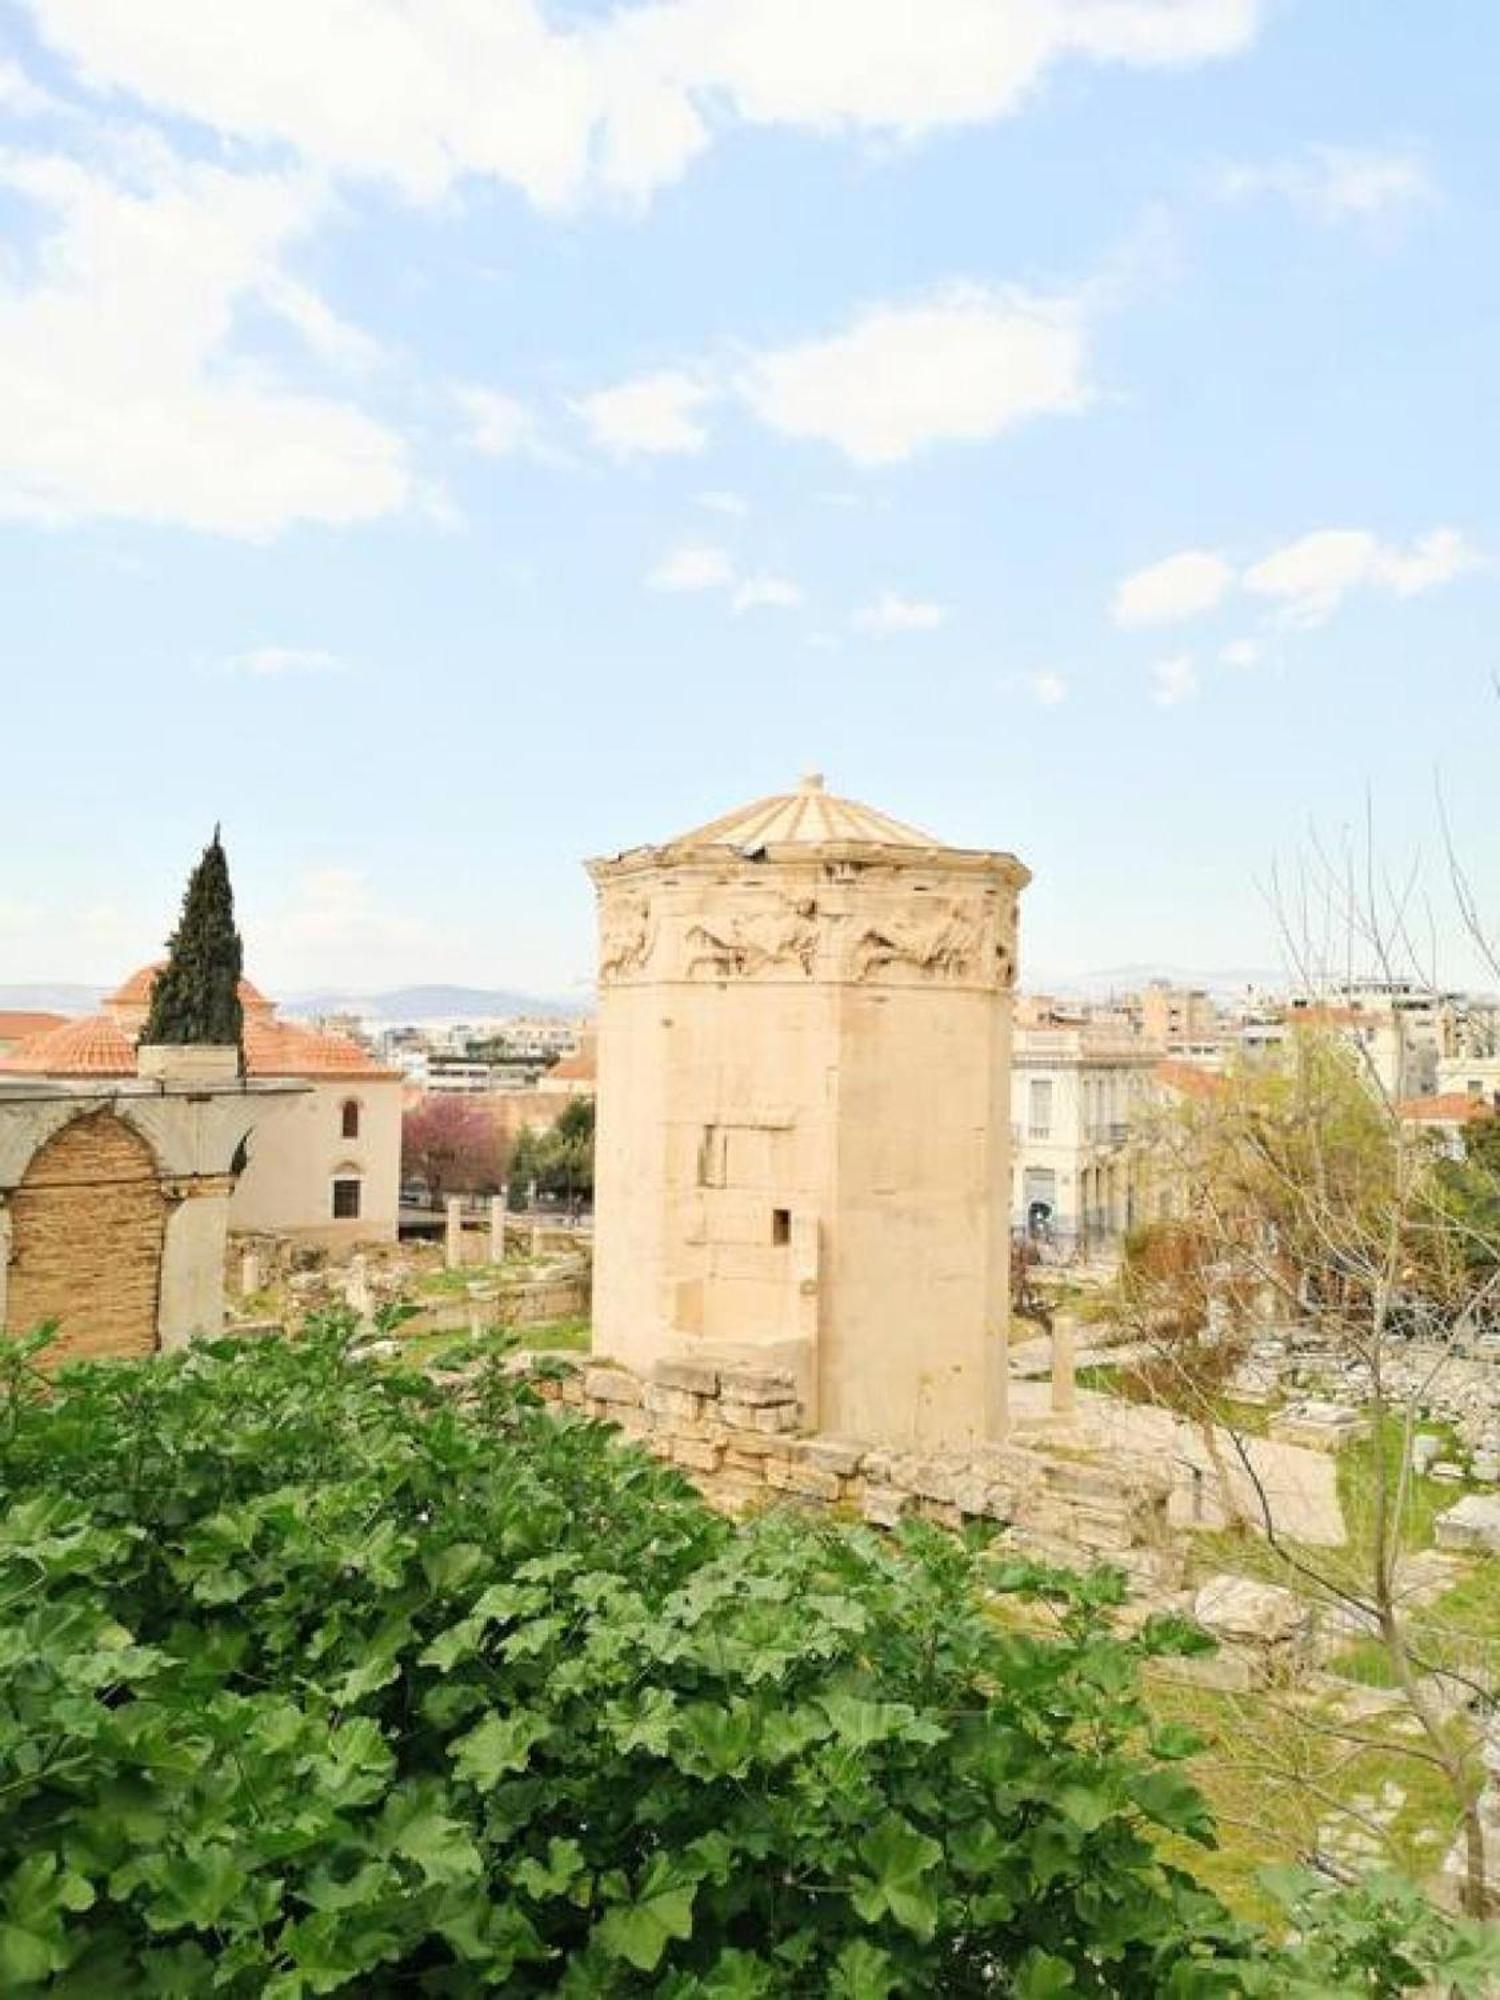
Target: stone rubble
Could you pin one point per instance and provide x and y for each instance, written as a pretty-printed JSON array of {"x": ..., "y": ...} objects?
[{"x": 1266, "y": 1634}]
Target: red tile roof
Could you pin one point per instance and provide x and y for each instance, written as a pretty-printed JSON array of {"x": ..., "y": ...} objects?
[
  {"x": 1451, "y": 1107},
  {"x": 104, "y": 1044},
  {"x": 580, "y": 1067},
  {"x": 136, "y": 992},
  {"x": 1190, "y": 1079},
  {"x": 17, "y": 1024},
  {"x": 93, "y": 1046}
]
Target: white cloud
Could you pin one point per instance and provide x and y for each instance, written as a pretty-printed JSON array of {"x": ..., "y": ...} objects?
[
  {"x": 694, "y": 567},
  {"x": 965, "y": 365},
  {"x": 122, "y": 394},
  {"x": 616, "y": 105},
  {"x": 276, "y": 662},
  {"x": 1309, "y": 579},
  {"x": 1174, "y": 681},
  {"x": 654, "y": 414},
  {"x": 1335, "y": 184},
  {"x": 498, "y": 425},
  {"x": 21, "y": 97},
  {"x": 333, "y": 930},
  {"x": 1240, "y": 653},
  {"x": 891, "y": 613},
  {"x": 768, "y": 593},
  {"x": 733, "y": 504},
  {"x": 1180, "y": 587},
  {"x": 1049, "y": 689}
]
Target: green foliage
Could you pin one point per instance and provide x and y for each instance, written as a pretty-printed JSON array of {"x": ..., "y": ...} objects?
[
  {"x": 1469, "y": 1192},
  {"x": 558, "y": 1161},
  {"x": 318, "y": 1676},
  {"x": 196, "y": 998}
]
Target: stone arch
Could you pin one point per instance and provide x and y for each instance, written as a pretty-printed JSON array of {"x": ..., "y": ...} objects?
[{"x": 87, "y": 1223}]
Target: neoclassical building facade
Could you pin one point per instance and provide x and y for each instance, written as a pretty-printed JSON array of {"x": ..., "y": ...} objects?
[
  {"x": 322, "y": 1166},
  {"x": 804, "y": 1111}
]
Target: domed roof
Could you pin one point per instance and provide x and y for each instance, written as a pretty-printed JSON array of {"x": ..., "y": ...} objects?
[
  {"x": 104, "y": 1044},
  {"x": 807, "y": 817},
  {"x": 134, "y": 994},
  {"x": 92, "y": 1046}
]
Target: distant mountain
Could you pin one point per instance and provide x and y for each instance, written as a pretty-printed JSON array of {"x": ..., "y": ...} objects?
[
  {"x": 52, "y": 999},
  {"x": 432, "y": 1003}
]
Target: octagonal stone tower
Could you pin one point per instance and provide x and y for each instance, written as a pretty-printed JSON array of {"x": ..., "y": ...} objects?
[{"x": 804, "y": 1112}]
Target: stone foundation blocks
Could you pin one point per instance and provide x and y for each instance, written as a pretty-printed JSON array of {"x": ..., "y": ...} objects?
[
  {"x": 673, "y": 1406},
  {"x": 756, "y": 1386},
  {"x": 698, "y": 1378},
  {"x": 833, "y": 1455},
  {"x": 886, "y": 1506},
  {"x": 807, "y": 1481},
  {"x": 697, "y": 1455},
  {"x": 612, "y": 1385},
  {"x": 770, "y": 1418}
]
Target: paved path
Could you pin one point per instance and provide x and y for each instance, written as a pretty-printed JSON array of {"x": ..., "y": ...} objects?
[{"x": 1300, "y": 1484}]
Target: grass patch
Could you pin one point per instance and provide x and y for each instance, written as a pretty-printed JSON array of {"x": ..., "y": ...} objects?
[
  {"x": 1359, "y": 1473},
  {"x": 1103, "y": 1376},
  {"x": 558, "y": 1336},
  {"x": 447, "y": 1284},
  {"x": 1278, "y": 1783}
]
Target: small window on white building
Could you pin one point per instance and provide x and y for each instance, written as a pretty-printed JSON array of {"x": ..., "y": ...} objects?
[
  {"x": 1039, "y": 1115},
  {"x": 349, "y": 1118},
  {"x": 346, "y": 1197}
]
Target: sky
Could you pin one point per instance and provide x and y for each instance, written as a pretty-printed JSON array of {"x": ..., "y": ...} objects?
[{"x": 445, "y": 441}]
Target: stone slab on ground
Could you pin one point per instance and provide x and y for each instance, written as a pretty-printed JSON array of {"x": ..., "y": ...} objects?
[
  {"x": 1474, "y": 1524},
  {"x": 1323, "y": 1426},
  {"x": 1242, "y": 1611}
]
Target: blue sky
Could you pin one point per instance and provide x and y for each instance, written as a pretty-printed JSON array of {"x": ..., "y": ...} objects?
[{"x": 447, "y": 441}]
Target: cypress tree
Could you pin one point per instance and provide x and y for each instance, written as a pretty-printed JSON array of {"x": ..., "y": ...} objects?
[{"x": 196, "y": 998}]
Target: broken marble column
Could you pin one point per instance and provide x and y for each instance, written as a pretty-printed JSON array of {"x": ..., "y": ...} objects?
[
  {"x": 357, "y": 1293},
  {"x": 249, "y": 1272},
  {"x": 497, "y": 1228},
  {"x": 453, "y": 1238},
  {"x": 482, "y": 1308},
  {"x": 1064, "y": 1369}
]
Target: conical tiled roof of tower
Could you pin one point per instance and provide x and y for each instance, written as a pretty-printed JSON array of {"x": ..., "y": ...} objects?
[{"x": 807, "y": 817}]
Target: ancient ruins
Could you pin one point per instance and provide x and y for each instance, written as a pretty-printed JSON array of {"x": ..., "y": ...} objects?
[{"x": 804, "y": 1092}]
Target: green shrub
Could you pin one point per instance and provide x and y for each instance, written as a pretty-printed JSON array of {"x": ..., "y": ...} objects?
[{"x": 318, "y": 1676}]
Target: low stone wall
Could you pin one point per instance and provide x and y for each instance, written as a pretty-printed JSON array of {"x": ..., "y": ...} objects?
[{"x": 738, "y": 1433}]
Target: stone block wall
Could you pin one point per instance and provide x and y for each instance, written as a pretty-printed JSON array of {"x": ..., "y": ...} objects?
[
  {"x": 85, "y": 1234},
  {"x": 738, "y": 1433}
]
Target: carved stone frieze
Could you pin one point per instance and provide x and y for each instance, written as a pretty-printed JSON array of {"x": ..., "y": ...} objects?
[
  {"x": 781, "y": 935},
  {"x": 940, "y": 937},
  {"x": 627, "y": 937}
]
